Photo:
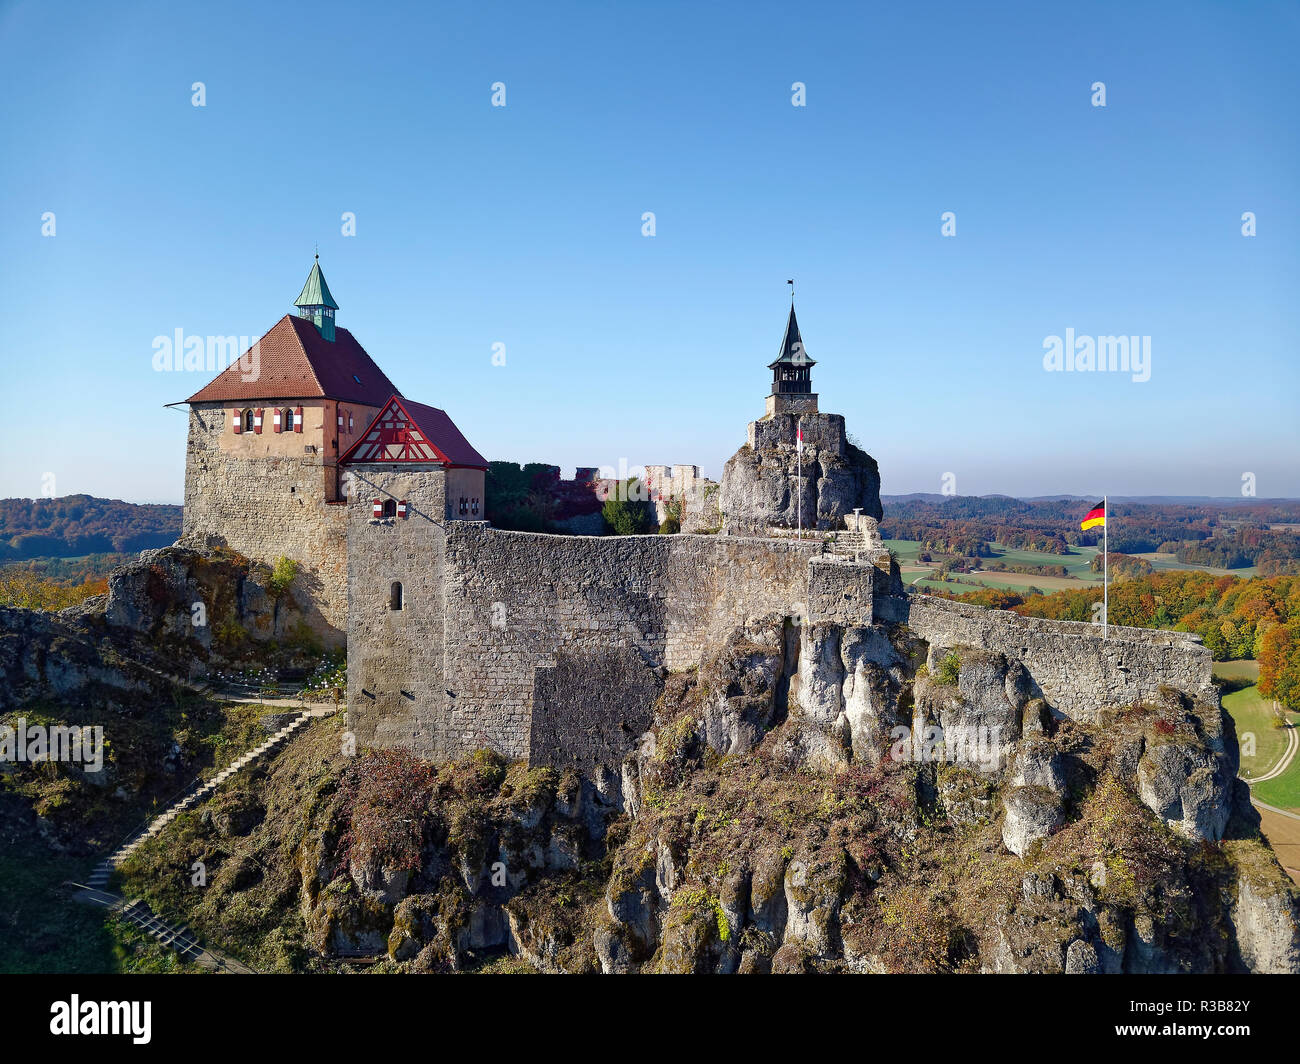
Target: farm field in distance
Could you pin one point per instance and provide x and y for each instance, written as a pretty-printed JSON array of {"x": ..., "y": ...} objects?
[{"x": 1077, "y": 564}]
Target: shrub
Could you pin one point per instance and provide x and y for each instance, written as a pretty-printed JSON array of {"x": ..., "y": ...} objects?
[
  {"x": 282, "y": 576},
  {"x": 632, "y": 514},
  {"x": 948, "y": 669}
]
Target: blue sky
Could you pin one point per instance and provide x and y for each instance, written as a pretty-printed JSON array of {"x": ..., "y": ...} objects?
[{"x": 521, "y": 225}]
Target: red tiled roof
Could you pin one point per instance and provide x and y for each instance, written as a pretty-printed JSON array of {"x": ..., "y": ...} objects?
[
  {"x": 296, "y": 362},
  {"x": 412, "y": 427}
]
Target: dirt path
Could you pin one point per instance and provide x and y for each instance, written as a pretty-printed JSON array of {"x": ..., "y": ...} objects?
[{"x": 1282, "y": 829}]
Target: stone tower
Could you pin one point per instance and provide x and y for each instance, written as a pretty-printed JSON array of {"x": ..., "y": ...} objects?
[
  {"x": 412, "y": 475},
  {"x": 764, "y": 488},
  {"x": 262, "y": 471},
  {"x": 792, "y": 375}
]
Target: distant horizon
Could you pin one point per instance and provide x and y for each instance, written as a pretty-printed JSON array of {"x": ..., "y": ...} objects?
[{"x": 1065, "y": 496}]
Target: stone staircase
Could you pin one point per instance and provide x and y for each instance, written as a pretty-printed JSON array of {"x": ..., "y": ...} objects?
[
  {"x": 180, "y": 939},
  {"x": 201, "y": 789},
  {"x": 849, "y": 543}
]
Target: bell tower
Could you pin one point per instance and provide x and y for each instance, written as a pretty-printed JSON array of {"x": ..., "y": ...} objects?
[
  {"x": 316, "y": 304},
  {"x": 792, "y": 375}
]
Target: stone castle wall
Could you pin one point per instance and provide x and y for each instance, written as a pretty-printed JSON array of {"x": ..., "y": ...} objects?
[
  {"x": 554, "y": 648},
  {"x": 395, "y": 656},
  {"x": 265, "y": 495},
  {"x": 1077, "y": 671},
  {"x": 603, "y": 612}
]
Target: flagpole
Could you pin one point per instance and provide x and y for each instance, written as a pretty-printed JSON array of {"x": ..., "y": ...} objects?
[{"x": 1105, "y": 567}]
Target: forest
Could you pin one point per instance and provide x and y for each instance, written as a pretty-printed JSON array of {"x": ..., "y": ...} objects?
[
  {"x": 1218, "y": 533},
  {"x": 76, "y": 525}
]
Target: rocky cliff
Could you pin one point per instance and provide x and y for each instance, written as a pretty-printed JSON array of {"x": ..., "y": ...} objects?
[
  {"x": 762, "y": 484},
  {"x": 829, "y": 798},
  {"x": 170, "y": 615}
]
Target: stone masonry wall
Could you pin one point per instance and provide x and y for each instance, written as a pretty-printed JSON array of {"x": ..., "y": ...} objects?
[
  {"x": 553, "y": 648},
  {"x": 264, "y": 495},
  {"x": 395, "y": 689},
  {"x": 519, "y": 602},
  {"x": 1074, "y": 668}
]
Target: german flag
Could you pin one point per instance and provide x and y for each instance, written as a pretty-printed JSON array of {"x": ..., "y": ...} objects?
[{"x": 1094, "y": 517}]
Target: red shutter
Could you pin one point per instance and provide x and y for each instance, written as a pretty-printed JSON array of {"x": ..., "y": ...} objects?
[
  {"x": 239, "y": 421},
  {"x": 297, "y": 420},
  {"x": 401, "y": 508},
  {"x": 278, "y": 427},
  {"x": 379, "y": 508},
  {"x": 257, "y": 421}
]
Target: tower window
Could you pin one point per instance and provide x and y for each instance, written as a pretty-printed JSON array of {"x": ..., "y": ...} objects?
[
  {"x": 248, "y": 420},
  {"x": 288, "y": 419},
  {"x": 395, "y": 596},
  {"x": 390, "y": 510}
]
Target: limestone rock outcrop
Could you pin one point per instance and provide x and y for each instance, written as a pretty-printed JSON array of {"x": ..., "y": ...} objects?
[{"x": 761, "y": 485}]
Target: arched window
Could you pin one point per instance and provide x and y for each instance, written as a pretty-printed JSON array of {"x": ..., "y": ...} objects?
[
  {"x": 248, "y": 420},
  {"x": 288, "y": 419},
  {"x": 390, "y": 510},
  {"x": 395, "y": 596}
]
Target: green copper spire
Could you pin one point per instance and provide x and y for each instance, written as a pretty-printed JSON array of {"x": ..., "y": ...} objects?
[{"x": 316, "y": 304}]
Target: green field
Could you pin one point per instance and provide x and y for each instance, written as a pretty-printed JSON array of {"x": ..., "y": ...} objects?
[
  {"x": 1253, "y": 716},
  {"x": 1237, "y": 670},
  {"x": 1169, "y": 561},
  {"x": 1077, "y": 565},
  {"x": 1284, "y": 791}
]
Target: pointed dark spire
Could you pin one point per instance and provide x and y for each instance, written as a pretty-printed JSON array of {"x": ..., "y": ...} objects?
[{"x": 792, "y": 351}]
